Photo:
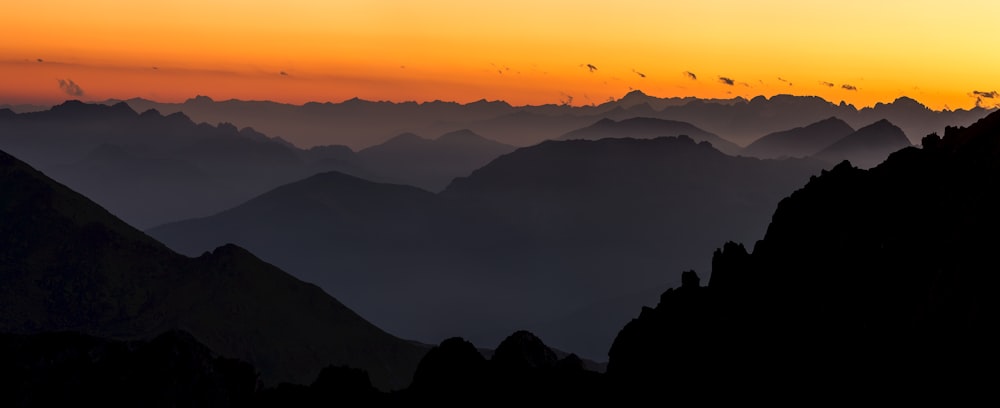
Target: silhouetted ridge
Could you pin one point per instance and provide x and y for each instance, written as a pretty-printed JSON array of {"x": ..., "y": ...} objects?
[
  {"x": 522, "y": 368},
  {"x": 524, "y": 351},
  {"x": 881, "y": 273},
  {"x": 172, "y": 369}
]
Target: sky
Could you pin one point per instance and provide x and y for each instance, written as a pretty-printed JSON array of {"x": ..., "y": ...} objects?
[{"x": 581, "y": 52}]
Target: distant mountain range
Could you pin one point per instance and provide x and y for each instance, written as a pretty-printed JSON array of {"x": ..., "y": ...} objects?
[
  {"x": 431, "y": 164},
  {"x": 530, "y": 240},
  {"x": 832, "y": 140},
  {"x": 66, "y": 264},
  {"x": 867, "y": 146},
  {"x": 649, "y": 128},
  {"x": 862, "y": 276},
  {"x": 149, "y": 169},
  {"x": 799, "y": 142},
  {"x": 360, "y": 124}
]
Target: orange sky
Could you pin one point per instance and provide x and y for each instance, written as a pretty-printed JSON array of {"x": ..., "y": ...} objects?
[{"x": 524, "y": 52}]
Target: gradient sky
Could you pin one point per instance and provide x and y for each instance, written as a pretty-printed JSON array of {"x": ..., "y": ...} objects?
[{"x": 942, "y": 53}]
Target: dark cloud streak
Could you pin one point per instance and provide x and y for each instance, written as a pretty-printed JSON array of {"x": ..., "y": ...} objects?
[
  {"x": 727, "y": 81},
  {"x": 849, "y": 87},
  {"x": 981, "y": 95},
  {"x": 827, "y": 84},
  {"x": 70, "y": 87},
  {"x": 691, "y": 75}
]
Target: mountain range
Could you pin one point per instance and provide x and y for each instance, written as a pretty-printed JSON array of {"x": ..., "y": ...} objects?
[
  {"x": 69, "y": 265},
  {"x": 867, "y": 281},
  {"x": 360, "y": 124},
  {"x": 149, "y": 169},
  {"x": 799, "y": 142},
  {"x": 647, "y": 128},
  {"x": 529, "y": 241}
]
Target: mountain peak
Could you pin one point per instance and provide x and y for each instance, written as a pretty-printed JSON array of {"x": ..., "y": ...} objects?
[
  {"x": 868, "y": 146},
  {"x": 882, "y": 124},
  {"x": 199, "y": 99},
  {"x": 906, "y": 100},
  {"x": 406, "y": 138},
  {"x": 633, "y": 98},
  {"x": 461, "y": 135}
]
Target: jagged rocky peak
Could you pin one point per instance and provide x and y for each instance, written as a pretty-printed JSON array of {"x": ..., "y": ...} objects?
[{"x": 524, "y": 350}]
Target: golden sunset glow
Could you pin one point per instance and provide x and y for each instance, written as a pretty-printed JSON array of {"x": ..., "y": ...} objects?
[{"x": 524, "y": 52}]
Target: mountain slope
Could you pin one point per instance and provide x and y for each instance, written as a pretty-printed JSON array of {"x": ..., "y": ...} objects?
[
  {"x": 867, "y": 146},
  {"x": 863, "y": 275},
  {"x": 67, "y": 264},
  {"x": 648, "y": 128},
  {"x": 800, "y": 141}
]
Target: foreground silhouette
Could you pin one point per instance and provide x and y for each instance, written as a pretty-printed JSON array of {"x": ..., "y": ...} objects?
[{"x": 866, "y": 281}]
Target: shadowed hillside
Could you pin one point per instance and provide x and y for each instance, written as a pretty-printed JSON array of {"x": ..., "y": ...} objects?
[{"x": 69, "y": 265}]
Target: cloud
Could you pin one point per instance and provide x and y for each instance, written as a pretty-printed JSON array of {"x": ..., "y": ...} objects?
[
  {"x": 727, "y": 81},
  {"x": 640, "y": 74},
  {"x": 828, "y": 84},
  {"x": 283, "y": 73},
  {"x": 566, "y": 99},
  {"x": 785, "y": 81},
  {"x": 849, "y": 87},
  {"x": 70, "y": 87},
  {"x": 591, "y": 67},
  {"x": 691, "y": 75},
  {"x": 980, "y": 95},
  {"x": 40, "y": 60}
]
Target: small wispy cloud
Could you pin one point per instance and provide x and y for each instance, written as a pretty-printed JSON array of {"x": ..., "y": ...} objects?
[
  {"x": 727, "y": 81},
  {"x": 827, "y": 84},
  {"x": 591, "y": 67},
  {"x": 283, "y": 73},
  {"x": 691, "y": 75},
  {"x": 981, "y": 95},
  {"x": 988, "y": 95},
  {"x": 565, "y": 98},
  {"x": 70, "y": 87},
  {"x": 640, "y": 74},
  {"x": 849, "y": 87},
  {"x": 785, "y": 81}
]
